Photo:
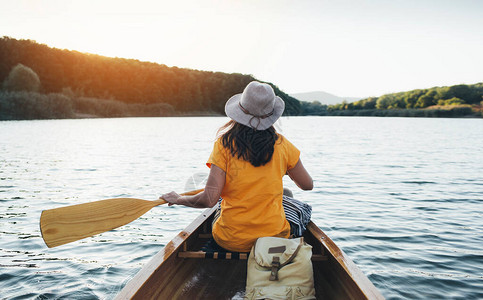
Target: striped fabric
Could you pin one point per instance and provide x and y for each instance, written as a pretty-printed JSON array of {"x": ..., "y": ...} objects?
[{"x": 298, "y": 215}]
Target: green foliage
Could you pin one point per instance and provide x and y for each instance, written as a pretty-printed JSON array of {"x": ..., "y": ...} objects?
[
  {"x": 32, "y": 105},
  {"x": 369, "y": 103},
  {"x": 424, "y": 101},
  {"x": 22, "y": 78},
  {"x": 386, "y": 101},
  {"x": 422, "y": 98},
  {"x": 415, "y": 113},
  {"x": 452, "y": 101},
  {"x": 75, "y": 83},
  {"x": 127, "y": 80},
  {"x": 314, "y": 108}
]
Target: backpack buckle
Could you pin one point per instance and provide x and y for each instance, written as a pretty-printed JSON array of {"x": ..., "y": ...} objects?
[{"x": 275, "y": 268}]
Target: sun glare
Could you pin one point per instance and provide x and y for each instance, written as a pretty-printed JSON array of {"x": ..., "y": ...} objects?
[{"x": 341, "y": 47}]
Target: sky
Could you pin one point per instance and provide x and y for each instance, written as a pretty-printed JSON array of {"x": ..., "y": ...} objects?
[{"x": 350, "y": 48}]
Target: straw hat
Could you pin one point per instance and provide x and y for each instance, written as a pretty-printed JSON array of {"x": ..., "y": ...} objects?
[{"x": 257, "y": 107}]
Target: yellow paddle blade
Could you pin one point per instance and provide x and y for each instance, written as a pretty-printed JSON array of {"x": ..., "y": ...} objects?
[{"x": 71, "y": 223}]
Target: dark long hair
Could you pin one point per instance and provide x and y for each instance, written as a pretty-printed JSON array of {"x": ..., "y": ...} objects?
[{"x": 254, "y": 146}]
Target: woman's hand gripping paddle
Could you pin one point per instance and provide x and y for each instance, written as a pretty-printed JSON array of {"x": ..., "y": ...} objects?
[{"x": 71, "y": 223}]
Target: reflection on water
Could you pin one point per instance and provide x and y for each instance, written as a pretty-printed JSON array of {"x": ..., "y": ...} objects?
[{"x": 402, "y": 197}]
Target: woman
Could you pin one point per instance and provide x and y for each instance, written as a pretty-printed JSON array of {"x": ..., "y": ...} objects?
[{"x": 247, "y": 165}]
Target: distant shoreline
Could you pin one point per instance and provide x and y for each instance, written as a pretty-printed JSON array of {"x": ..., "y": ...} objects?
[
  {"x": 381, "y": 114},
  {"x": 23, "y": 105},
  {"x": 455, "y": 112}
]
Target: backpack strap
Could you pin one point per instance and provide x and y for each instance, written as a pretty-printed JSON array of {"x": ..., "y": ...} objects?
[
  {"x": 275, "y": 268},
  {"x": 294, "y": 253}
]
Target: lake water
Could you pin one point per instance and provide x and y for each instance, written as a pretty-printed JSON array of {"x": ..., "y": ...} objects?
[{"x": 402, "y": 197}]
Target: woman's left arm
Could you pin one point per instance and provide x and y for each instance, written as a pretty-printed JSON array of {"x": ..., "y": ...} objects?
[{"x": 208, "y": 198}]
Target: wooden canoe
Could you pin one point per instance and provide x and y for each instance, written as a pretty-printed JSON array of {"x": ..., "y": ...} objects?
[{"x": 181, "y": 271}]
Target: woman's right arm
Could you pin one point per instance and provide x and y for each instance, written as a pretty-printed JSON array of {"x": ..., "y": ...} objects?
[{"x": 301, "y": 177}]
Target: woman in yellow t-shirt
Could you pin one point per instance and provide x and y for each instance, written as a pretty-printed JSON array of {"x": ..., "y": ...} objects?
[{"x": 247, "y": 165}]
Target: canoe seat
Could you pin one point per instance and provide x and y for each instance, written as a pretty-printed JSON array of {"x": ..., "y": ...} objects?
[
  {"x": 213, "y": 255},
  {"x": 230, "y": 255},
  {"x": 212, "y": 250}
]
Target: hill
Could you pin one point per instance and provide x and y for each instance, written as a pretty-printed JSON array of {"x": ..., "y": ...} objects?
[
  {"x": 461, "y": 94},
  {"x": 89, "y": 84},
  {"x": 40, "y": 82},
  {"x": 323, "y": 97},
  {"x": 462, "y": 100}
]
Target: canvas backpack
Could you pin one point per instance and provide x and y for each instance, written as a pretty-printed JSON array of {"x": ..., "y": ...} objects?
[{"x": 280, "y": 268}]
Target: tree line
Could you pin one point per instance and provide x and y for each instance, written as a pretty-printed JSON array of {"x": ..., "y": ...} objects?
[
  {"x": 104, "y": 86},
  {"x": 453, "y": 100},
  {"x": 37, "y": 81}
]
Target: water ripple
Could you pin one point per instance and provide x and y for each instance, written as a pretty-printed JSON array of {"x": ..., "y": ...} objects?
[{"x": 408, "y": 213}]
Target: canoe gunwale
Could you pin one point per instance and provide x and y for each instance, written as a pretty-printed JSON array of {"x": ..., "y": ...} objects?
[
  {"x": 345, "y": 264},
  {"x": 170, "y": 250},
  {"x": 346, "y": 278}
]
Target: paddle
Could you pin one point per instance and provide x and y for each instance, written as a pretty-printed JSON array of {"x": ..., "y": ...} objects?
[{"x": 71, "y": 223}]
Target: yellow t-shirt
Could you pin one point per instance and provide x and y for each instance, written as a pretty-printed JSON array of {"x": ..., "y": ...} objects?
[{"x": 252, "y": 196}]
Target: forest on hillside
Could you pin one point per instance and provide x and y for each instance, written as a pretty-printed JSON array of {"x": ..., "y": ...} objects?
[
  {"x": 40, "y": 82},
  {"x": 447, "y": 101},
  {"x": 43, "y": 82}
]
